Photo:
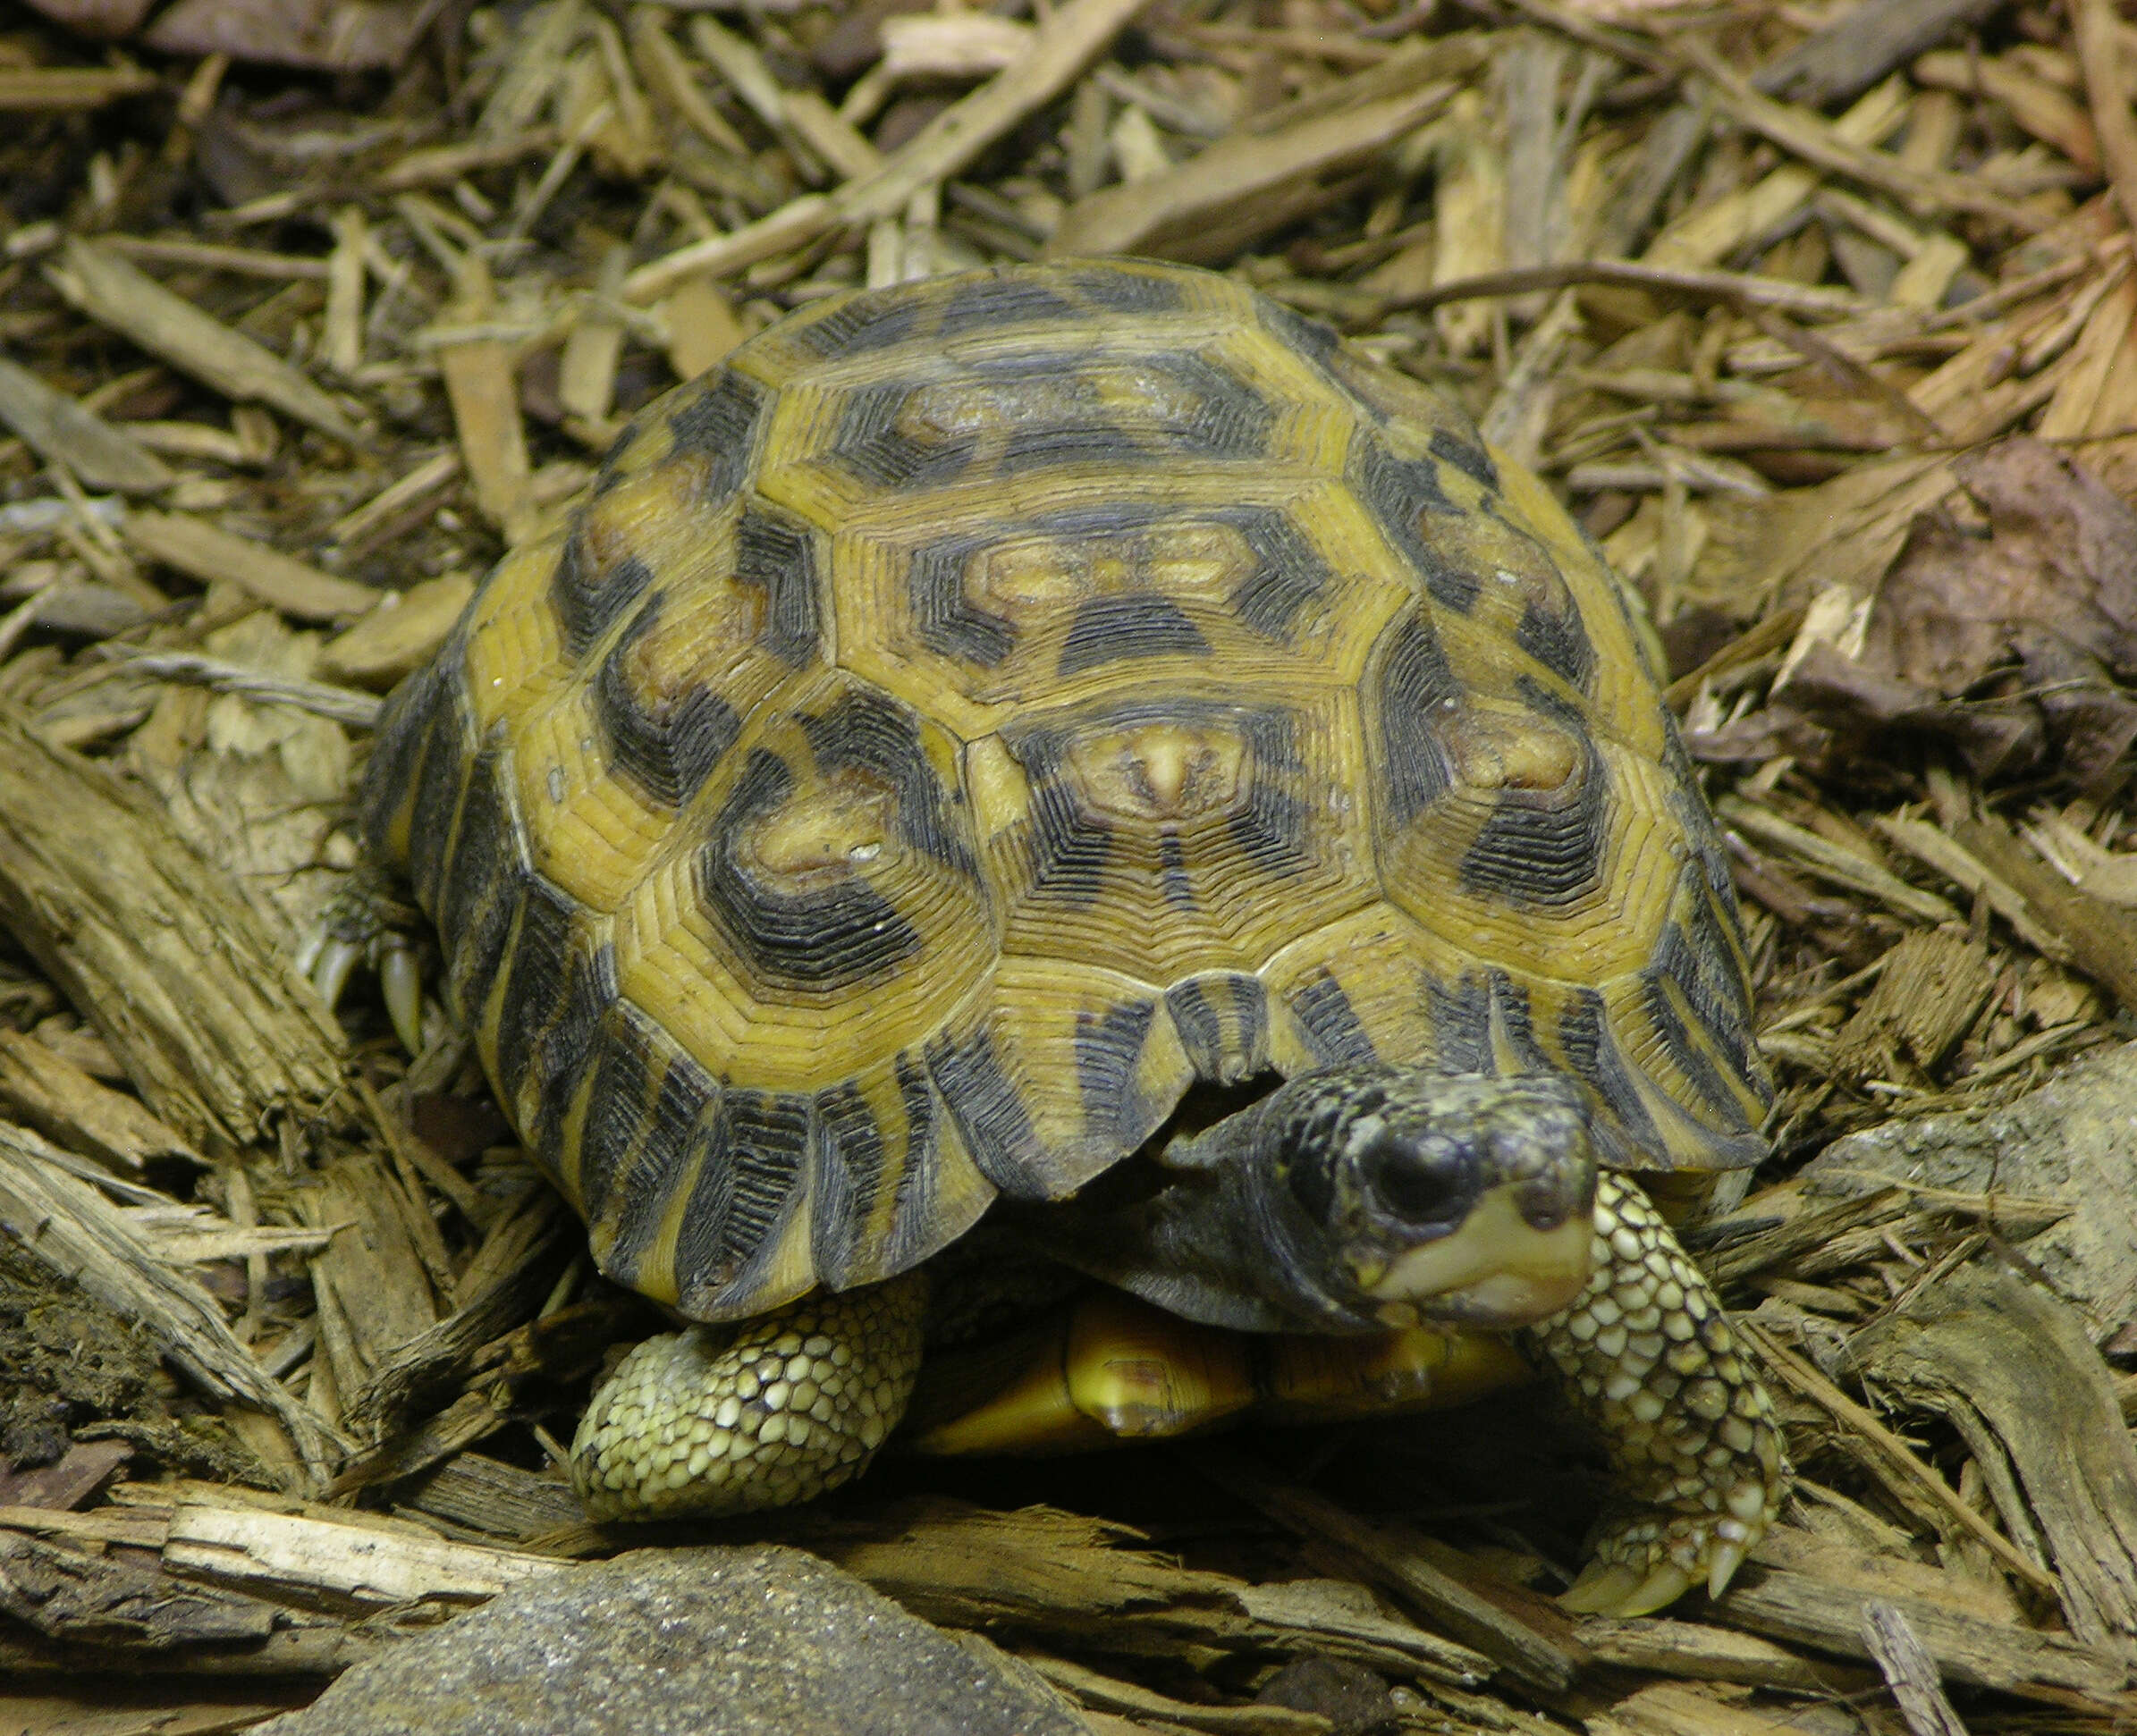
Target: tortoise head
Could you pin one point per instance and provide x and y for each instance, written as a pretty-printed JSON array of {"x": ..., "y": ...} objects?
[{"x": 1364, "y": 1198}]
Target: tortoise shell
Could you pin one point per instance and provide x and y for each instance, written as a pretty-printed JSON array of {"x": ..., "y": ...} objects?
[{"x": 985, "y": 707}]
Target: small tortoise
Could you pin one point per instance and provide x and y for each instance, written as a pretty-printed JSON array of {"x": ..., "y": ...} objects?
[{"x": 1003, "y": 726}]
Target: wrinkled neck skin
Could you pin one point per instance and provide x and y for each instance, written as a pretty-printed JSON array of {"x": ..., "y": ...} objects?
[
  {"x": 1357, "y": 1199},
  {"x": 1214, "y": 1244}
]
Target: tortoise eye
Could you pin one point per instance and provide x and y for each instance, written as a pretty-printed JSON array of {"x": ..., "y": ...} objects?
[{"x": 1417, "y": 1184}]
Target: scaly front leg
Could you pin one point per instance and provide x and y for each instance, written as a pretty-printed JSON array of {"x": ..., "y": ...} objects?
[{"x": 1647, "y": 1355}]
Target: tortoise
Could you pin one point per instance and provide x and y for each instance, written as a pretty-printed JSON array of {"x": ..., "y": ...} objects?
[{"x": 1078, "y": 745}]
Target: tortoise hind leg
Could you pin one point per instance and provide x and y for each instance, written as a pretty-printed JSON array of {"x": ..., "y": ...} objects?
[
  {"x": 728, "y": 1420},
  {"x": 369, "y": 919},
  {"x": 1646, "y": 1355}
]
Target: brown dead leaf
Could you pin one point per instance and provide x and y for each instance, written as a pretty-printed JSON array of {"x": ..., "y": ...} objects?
[
  {"x": 2001, "y": 626},
  {"x": 2059, "y": 560}
]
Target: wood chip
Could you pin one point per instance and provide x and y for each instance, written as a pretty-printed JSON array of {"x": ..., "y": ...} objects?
[
  {"x": 57, "y": 427},
  {"x": 1831, "y": 861},
  {"x": 115, "y": 292},
  {"x": 1241, "y": 188},
  {"x": 399, "y": 636},
  {"x": 2099, "y": 939},
  {"x": 1061, "y": 47},
  {"x": 25, "y": 89},
  {"x": 395, "y": 507},
  {"x": 203, "y": 551},
  {"x": 2109, "y": 86},
  {"x": 1110, "y": 1694},
  {"x": 1711, "y": 1654},
  {"x": 442, "y": 165},
  {"x": 367, "y": 1564},
  {"x": 482, "y": 384},
  {"x": 1806, "y": 135},
  {"x": 1395, "y": 1556}
]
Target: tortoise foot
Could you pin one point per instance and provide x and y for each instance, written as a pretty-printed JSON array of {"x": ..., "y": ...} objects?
[
  {"x": 369, "y": 923},
  {"x": 717, "y": 1420},
  {"x": 1647, "y": 1354}
]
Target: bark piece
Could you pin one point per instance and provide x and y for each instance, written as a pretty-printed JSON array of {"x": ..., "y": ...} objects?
[
  {"x": 2015, "y": 1369},
  {"x": 2051, "y": 1667},
  {"x": 155, "y": 947},
  {"x": 64, "y": 1104},
  {"x": 519, "y": 1263},
  {"x": 1849, "y": 54},
  {"x": 488, "y": 1495},
  {"x": 1910, "y": 1672},
  {"x": 66, "y": 1593},
  {"x": 1691, "y": 1648},
  {"x": 80, "y": 1473},
  {"x": 1052, "y": 1573},
  {"x": 380, "y": 1284},
  {"x": 69, "y": 1228},
  {"x": 336, "y": 36}
]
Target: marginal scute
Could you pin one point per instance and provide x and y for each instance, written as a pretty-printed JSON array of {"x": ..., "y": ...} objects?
[
  {"x": 1071, "y": 1066},
  {"x": 1221, "y": 1019},
  {"x": 986, "y": 707}
]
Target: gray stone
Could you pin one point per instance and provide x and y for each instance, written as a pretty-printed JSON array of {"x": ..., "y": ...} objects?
[
  {"x": 2074, "y": 1141},
  {"x": 756, "y": 1641}
]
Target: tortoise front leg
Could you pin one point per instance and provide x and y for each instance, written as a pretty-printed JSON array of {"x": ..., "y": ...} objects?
[
  {"x": 1647, "y": 1355},
  {"x": 728, "y": 1420}
]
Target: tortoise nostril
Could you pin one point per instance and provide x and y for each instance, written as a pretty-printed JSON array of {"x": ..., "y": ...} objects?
[{"x": 1549, "y": 1201}]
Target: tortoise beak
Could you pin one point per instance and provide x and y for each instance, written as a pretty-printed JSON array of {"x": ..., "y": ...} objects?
[{"x": 1501, "y": 1267}]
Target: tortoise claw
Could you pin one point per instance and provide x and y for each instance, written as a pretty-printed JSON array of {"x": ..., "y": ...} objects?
[
  {"x": 1721, "y": 1567},
  {"x": 401, "y": 976},
  {"x": 1665, "y": 1585},
  {"x": 1602, "y": 1588},
  {"x": 329, "y": 966},
  {"x": 1620, "y": 1590}
]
